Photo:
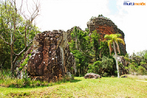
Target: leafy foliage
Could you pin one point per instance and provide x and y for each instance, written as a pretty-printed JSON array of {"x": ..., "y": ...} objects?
[
  {"x": 80, "y": 47},
  {"x": 114, "y": 39},
  {"x": 95, "y": 43},
  {"x": 16, "y": 33},
  {"x": 24, "y": 62},
  {"x": 103, "y": 67},
  {"x": 90, "y": 52},
  {"x": 95, "y": 67},
  {"x": 137, "y": 63},
  {"x": 141, "y": 70}
]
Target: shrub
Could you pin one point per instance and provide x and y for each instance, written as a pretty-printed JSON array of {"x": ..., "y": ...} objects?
[
  {"x": 132, "y": 68},
  {"x": 105, "y": 74},
  {"x": 95, "y": 67},
  {"x": 104, "y": 67},
  {"x": 141, "y": 70}
]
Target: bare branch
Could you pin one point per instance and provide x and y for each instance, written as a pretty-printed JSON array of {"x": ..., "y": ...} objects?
[
  {"x": 28, "y": 8},
  {"x": 21, "y": 5}
]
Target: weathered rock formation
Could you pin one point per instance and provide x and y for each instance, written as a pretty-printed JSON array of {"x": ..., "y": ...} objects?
[
  {"x": 92, "y": 76},
  {"x": 50, "y": 57},
  {"x": 105, "y": 26}
]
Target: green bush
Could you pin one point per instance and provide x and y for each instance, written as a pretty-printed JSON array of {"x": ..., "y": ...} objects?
[
  {"x": 103, "y": 67},
  {"x": 105, "y": 74},
  {"x": 132, "y": 68},
  {"x": 141, "y": 70},
  {"x": 95, "y": 67}
]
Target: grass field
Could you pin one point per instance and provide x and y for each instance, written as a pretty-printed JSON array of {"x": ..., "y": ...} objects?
[{"x": 83, "y": 88}]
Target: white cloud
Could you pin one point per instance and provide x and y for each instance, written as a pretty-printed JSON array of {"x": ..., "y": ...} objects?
[{"x": 64, "y": 14}]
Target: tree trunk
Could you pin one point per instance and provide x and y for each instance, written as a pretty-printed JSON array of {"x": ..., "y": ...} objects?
[
  {"x": 12, "y": 66},
  {"x": 116, "y": 59},
  {"x": 62, "y": 55}
]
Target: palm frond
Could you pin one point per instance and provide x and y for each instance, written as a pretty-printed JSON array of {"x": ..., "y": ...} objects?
[
  {"x": 109, "y": 45},
  {"x": 114, "y": 38},
  {"x": 118, "y": 35},
  {"x": 107, "y": 36},
  {"x": 117, "y": 47},
  {"x": 120, "y": 40}
]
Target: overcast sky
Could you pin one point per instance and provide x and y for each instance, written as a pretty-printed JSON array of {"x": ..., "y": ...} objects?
[{"x": 64, "y": 14}]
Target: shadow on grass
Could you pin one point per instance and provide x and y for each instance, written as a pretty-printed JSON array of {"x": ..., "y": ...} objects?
[{"x": 75, "y": 80}]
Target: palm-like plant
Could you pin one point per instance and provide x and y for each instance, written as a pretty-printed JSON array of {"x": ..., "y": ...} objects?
[{"x": 114, "y": 39}]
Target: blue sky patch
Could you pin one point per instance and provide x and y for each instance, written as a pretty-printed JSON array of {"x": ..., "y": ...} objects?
[{"x": 112, "y": 7}]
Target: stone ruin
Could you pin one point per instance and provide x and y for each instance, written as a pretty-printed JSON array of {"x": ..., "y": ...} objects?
[
  {"x": 50, "y": 57},
  {"x": 92, "y": 76},
  {"x": 104, "y": 26}
]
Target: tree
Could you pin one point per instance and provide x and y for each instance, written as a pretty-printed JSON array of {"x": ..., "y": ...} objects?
[
  {"x": 113, "y": 39},
  {"x": 104, "y": 50},
  {"x": 4, "y": 55},
  {"x": 80, "y": 47},
  {"x": 107, "y": 66},
  {"x": 96, "y": 44},
  {"x": 17, "y": 31},
  {"x": 137, "y": 63},
  {"x": 103, "y": 67}
]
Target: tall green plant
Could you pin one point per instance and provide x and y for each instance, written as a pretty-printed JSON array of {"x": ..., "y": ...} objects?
[
  {"x": 80, "y": 47},
  {"x": 114, "y": 39},
  {"x": 96, "y": 43}
]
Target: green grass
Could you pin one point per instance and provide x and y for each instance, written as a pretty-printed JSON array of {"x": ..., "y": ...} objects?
[{"x": 80, "y": 87}]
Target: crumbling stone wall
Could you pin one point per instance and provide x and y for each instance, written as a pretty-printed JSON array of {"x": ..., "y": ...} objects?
[
  {"x": 105, "y": 26},
  {"x": 50, "y": 57}
]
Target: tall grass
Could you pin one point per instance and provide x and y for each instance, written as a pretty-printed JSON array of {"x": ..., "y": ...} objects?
[{"x": 7, "y": 81}]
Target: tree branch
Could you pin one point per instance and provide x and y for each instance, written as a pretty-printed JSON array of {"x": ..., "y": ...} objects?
[{"x": 21, "y": 52}]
